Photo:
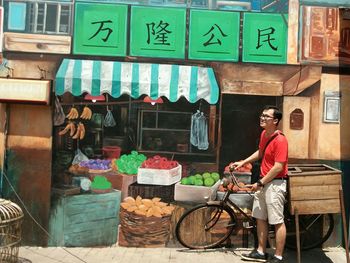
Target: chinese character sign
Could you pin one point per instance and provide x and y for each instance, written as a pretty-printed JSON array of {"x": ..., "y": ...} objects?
[
  {"x": 214, "y": 35},
  {"x": 157, "y": 32},
  {"x": 100, "y": 29},
  {"x": 265, "y": 38}
]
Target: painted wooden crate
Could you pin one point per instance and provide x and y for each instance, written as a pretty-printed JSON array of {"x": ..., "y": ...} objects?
[
  {"x": 85, "y": 220},
  {"x": 314, "y": 188}
]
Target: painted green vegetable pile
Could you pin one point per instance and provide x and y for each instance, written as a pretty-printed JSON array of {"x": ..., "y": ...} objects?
[
  {"x": 100, "y": 183},
  {"x": 205, "y": 179}
]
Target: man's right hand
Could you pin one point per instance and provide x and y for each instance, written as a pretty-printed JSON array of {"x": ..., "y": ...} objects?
[{"x": 236, "y": 165}]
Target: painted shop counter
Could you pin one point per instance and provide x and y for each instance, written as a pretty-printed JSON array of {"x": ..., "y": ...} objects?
[{"x": 84, "y": 220}]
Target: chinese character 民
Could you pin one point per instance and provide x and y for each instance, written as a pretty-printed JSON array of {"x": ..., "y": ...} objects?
[
  {"x": 215, "y": 28},
  {"x": 102, "y": 29},
  {"x": 159, "y": 33},
  {"x": 266, "y": 35}
]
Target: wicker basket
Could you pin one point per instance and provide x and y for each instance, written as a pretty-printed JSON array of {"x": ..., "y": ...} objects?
[
  {"x": 141, "y": 231},
  {"x": 11, "y": 217}
]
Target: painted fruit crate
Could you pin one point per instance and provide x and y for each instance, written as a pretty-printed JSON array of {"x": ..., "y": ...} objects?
[
  {"x": 85, "y": 220},
  {"x": 244, "y": 177},
  {"x": 159, "y": 176},
  {"x": 165, "y": 192},
  {"x": 243, "y": 200},
  {"x": 194, "y": 193}
]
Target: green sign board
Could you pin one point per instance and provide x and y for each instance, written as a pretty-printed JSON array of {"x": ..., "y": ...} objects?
[
  {"x": 158, "y": 32},
  {"x": 265, "y": 38},
  {"x": 214, "y": 35},
  {"x": 100, "y": 29}
]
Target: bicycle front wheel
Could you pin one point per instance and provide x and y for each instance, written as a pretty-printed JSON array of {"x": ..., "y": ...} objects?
[
  {"x": 205, "y": 226},
  {"x": 314, "y": 230}
]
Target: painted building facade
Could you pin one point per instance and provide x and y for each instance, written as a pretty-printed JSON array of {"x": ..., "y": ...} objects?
[{"x": 303, "y": 70}]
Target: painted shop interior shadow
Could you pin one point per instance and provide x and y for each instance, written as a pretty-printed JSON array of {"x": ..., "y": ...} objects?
[{"x": 240, "y": 125}]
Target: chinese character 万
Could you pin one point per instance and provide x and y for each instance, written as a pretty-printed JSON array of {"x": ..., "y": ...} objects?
[
  {"x": 215, "y": 28},
  {"x": 160, "y": 33},
  {"x": 102, "y": 29},
  {"x": 266, "y": 34}
]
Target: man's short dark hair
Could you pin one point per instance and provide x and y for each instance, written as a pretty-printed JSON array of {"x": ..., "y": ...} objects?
[{"x": 277, "y": 114}]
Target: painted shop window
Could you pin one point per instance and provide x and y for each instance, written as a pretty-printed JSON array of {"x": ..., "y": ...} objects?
[
  {"x": 38, "y": 17},
  {"x": 331, "y": 107}
]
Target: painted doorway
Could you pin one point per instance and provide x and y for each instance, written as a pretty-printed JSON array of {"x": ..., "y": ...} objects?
[{"x": 240, "y": 128}]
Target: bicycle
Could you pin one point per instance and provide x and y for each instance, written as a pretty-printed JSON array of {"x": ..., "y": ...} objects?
[{"x": 217, "y": 220}]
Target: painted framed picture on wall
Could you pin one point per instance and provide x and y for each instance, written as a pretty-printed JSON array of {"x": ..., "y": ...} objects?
[{"x": 331, "y": 107}]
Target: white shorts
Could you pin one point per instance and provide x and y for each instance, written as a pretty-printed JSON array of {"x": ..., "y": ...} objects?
[{"x": 269, "y": 202}]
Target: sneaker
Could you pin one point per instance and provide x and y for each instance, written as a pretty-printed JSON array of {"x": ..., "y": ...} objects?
[
  {"x": 254, "y": 256},
  {"x": 275, "y": 260}
]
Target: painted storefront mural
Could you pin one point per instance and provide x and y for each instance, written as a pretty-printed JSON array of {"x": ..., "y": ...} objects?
[{"x": 175, "y": 33}]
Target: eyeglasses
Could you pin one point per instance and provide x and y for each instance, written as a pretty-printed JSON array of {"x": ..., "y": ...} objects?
[{"x": 264, "y": 116}]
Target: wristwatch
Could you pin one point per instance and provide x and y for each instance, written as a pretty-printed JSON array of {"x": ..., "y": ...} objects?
[{"x": 259, "y": 183}]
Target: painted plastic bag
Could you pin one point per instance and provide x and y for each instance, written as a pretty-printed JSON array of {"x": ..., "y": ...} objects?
[
  {"x": 109, "y": 119},
  {"x": 194, "y": 128},
  {"x": 203, "y": 143},
  {"x": 79, "y": 157},
  {"x": 58, "y": 115}
]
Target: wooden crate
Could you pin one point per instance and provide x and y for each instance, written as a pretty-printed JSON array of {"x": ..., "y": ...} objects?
[
  {"x": 85, "y": 220},
  {"x": 165, "y": 192},
  {"x": 314, "y": 189}
]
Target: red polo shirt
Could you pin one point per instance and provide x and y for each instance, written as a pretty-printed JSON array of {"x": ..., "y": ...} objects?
[{"x": 276, "y": 151}]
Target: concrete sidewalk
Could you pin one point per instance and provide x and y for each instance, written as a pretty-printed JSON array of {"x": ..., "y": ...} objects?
[{"x": 162, "y": 255}]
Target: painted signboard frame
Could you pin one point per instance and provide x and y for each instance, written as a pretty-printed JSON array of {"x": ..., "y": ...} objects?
[
  {"x": 214, "y": 35},
  {"x": 158, "y": 32},
  {"x": 100, "y": 29},
  {"x": 265, "y": 38}
]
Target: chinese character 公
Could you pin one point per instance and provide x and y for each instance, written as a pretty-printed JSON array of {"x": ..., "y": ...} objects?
[{"x": 212, "y": 31}]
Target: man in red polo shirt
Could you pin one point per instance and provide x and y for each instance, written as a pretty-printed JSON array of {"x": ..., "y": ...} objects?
[{"x": 270, "y": 189}]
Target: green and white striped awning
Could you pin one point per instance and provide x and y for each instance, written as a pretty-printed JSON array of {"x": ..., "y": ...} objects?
[{"x": 136, "y": 79}]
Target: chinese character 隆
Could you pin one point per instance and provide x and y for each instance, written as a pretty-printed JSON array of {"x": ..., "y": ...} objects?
[{"x": 159, "y": 32}]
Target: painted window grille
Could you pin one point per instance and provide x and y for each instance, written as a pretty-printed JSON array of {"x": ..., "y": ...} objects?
[{"x": 39, "y": 17}]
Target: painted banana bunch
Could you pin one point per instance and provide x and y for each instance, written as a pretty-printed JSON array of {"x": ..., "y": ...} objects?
[
  {"x": 80, "y": 132},
  {"x": 73, "y": 114},
  {"x": 70, "y": 127},
  {"x": 86, "y": 114},
  {"x": 75, "y": 131}
]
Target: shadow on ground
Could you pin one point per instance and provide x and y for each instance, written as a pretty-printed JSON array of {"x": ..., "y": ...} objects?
[
  {"x": 23, "y": 260},
  {"x": 314, "y": 255},
  {"x": 290, "y": 256}
]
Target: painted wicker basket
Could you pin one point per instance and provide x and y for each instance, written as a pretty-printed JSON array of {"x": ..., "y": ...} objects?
[
  {"x": 11, "y": 216},
  {"x": 141, "y": 231}
]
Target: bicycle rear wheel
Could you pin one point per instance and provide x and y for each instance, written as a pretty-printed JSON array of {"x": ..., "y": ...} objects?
[
  {"x": 314, "y": 230},
  {"x": 205, "y": 226}
]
